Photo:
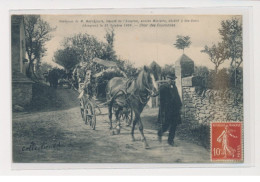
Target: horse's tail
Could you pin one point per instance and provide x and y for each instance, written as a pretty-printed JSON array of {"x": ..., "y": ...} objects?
[{"x": 109, "y": 96}]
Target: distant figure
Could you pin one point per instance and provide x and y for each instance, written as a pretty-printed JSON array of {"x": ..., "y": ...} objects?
[
  {"x": 53, "y": 78},
  {"x": 79, "y": 74},
  {"x": 46, "y": 75},
  {"x": 87, "y": 87},
  {"x": 170, "y": 105}
]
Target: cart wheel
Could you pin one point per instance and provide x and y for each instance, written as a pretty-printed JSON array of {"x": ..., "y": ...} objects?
[
  {"x": 93, "y": 124},
  {"x": 82, "y": 109},
  {"x": 86, "y": 116},
  {"x": 91, "y": 116}
]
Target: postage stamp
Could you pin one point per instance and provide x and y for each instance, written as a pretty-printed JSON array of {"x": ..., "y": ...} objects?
[{"x": 226, "y": 141}]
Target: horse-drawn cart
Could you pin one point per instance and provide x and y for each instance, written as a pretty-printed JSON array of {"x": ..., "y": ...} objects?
[
  {"x": 124, "y": 97},
  {"x": 88, "y": 109},
  {"x": 88, "y": 113},
  {"x": 87, "y": 76}
]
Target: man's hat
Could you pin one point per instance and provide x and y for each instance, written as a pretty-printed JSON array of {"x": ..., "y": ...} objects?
[{"x": 171, "y": 76}]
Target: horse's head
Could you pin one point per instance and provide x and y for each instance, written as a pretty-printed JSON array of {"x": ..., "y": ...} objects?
[{"x": 147, "y": 81}]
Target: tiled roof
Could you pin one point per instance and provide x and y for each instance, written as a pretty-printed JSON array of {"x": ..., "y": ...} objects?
[{"x": 155, "y": 64}]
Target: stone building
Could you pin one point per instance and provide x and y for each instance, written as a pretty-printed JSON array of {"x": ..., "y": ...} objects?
[{"x": 21, "y": 84}]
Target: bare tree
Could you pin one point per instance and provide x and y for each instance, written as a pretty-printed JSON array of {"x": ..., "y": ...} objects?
[
  {"x": 182, "y": 42},
  {"x": 217, "y": 54},
  {"x": 37, "y": 33}
]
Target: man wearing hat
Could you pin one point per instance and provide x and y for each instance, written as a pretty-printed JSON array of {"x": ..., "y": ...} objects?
[{"x": 170, "y": 105}]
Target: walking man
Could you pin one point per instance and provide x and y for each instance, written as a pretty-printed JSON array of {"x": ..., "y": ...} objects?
[{"x": 169, "y": 112}]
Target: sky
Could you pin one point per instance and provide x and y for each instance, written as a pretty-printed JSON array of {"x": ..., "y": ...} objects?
[{"x": 139, "y": 42}]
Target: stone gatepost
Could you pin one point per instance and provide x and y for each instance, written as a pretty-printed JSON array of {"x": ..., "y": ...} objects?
[{"x": 184, "y": 67}]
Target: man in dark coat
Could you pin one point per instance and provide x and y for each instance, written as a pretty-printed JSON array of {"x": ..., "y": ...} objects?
[{"x": 169, "y": 112}]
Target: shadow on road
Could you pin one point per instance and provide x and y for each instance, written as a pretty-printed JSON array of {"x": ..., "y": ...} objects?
[{"x": 47, "y": 98}]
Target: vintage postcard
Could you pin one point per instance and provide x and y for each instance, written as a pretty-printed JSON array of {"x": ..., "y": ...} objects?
[{"x": 127, "y": 88}]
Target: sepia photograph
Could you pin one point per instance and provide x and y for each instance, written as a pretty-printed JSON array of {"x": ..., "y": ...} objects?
[{"x": 96, "y": 88}]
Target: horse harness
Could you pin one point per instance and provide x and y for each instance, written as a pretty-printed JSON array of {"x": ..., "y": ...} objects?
[{"x": 134, "y": 94}]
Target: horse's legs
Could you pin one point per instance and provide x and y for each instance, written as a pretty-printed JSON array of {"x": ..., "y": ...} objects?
[
  {"x": 133, "y": 127},
  {"x": 118, "y": 119},
  {"x": 141, "y": 128},
  {"x": 130, "y": 117},
  {"x": 110, "y": 114}
]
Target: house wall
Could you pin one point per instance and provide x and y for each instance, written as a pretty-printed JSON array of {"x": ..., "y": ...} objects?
[
  {"x": 15, "y": 44},
  {"x": 18, "y": 49},
  {"x": 21, "y": 85},
  {"x": 22, "y": 49}
]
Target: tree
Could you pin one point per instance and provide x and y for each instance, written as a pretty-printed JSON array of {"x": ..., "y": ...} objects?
[
  {"x": 127, "y": 67},
  {"x": 67, "y": 58},
  {"x": 156, "y": 70},
  {"x": 202, "y": 75},
  {"x": 44, "y": 68},
  {"x": 167, "y": 69},
  {"x": 37, "y": 33},
  {"x": 182, "y": 42},
  {"x": 201, "y": 71},
  {"x": 231, "y": 32},
  {"x": 87, "y": 47},
  {"x": 216, "y": 53},
  {"x": 110, "y": 38}
]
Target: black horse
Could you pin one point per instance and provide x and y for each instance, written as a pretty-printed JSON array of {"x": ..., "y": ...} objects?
[{"x": 135, "y": 94}]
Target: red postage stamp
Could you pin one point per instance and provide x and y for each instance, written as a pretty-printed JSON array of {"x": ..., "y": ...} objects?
[{"x": 226, "y": 141}]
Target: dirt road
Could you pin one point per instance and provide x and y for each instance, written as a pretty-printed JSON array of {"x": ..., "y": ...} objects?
[{"x": 62, "y": 136}]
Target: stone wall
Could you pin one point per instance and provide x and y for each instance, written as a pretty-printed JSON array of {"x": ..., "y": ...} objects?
[
  {"x": 211, "y": 105},
  {"x": 21, "y": 93}
]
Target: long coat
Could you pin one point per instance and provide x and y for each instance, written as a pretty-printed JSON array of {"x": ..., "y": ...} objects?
[{"x": 170, "y": 105}]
